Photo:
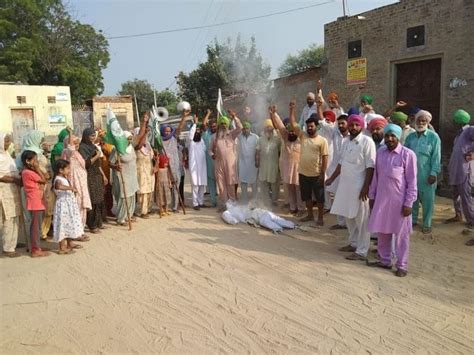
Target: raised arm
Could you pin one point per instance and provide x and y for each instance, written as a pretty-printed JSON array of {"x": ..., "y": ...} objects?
[
  {"x": 293, "y": 122},
  {"x": 205, "y": 121},
  {"x": 238, "y": 125},
  {"x": 394, "y": 108},
  {"x": 142, "y": 132},
  {"x": 184, "y": 115},
  {"x": 277, "y": 122}
]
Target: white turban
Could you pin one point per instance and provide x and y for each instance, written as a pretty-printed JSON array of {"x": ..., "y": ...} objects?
[
  {"x": 370, "y": 116},
  {"x": 127, "y": 134},
  {"x": 311, "y": 95},
  {"x": 425, "y": 114}
]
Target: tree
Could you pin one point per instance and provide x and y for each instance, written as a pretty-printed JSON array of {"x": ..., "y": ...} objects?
[
  {"x": 235, "y": 68},
  {"x": 307, "y": 58},
  {"x": 48, "y": 47},
  {"x": 145, "y": 99}
]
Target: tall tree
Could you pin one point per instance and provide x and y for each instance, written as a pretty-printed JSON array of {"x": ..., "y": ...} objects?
[
  {"x": 233, "y": 67},
  {"x": 305, "y": 59},
  {"x": 42, "y": 44},
  {"x": 145, "y": 99}
]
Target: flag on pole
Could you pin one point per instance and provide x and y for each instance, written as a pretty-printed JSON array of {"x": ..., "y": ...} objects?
[
  {"x": 115, "y": 134},
  {"x": 220, "y": 105},
  {"x": 154, "y": 125}
]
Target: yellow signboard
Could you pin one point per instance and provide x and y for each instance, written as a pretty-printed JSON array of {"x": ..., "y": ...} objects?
[{"x": 357, "y": 71}]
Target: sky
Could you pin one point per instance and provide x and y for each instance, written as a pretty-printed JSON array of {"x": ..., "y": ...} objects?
[{"x": 159, "y": 58}]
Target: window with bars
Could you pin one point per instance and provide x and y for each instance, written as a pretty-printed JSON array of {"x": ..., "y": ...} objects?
[
  {"x": 51, "y": 99},
  {"x": 21, "y": 99}
]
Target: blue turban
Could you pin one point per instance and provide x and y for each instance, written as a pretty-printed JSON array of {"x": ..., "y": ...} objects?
[
  {"x": 394, "y": 129},
  {"x": 352, "y": 111},
  {"x": 413, "y": 110}
]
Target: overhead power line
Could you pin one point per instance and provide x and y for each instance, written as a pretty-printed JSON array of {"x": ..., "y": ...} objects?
[{"x": 219, "y": 23}]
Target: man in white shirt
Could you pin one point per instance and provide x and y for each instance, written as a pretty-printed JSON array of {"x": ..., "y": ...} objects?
[
  {"x": 356, "y": 169},
  {"x": 308, "y": 110},
  {"x": 247, "y": 148}
]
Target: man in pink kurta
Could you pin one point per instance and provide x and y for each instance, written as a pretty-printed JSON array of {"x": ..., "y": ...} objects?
[
  {"x": 392, "y": 193},
  {"x": 223, "y": 151}
]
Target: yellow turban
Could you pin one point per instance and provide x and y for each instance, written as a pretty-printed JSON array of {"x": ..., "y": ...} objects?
[{"x": 268, "y": 123}]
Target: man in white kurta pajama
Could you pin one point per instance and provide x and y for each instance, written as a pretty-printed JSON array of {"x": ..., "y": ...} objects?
[
  {"x": 356, "y": 169},
  {"x": 197, "y": 165},
  {"x": 247, "y": 168}
]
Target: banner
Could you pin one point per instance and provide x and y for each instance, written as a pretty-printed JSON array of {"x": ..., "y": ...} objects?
[{"x": 357, "y": 71}]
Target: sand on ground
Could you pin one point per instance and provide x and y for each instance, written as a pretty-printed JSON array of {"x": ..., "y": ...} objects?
[{"x": 191, "y": 284}]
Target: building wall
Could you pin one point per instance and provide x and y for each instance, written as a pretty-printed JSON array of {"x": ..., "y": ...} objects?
[
  {"x": 295, "y": 87},
  {"x": 122, "y": 107},
  {"x": 37, "y": 100},
  {"x": 448, "y": 30}
]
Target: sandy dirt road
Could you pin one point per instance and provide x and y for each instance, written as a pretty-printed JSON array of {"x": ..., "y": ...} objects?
[{"x": 191, "y": 284}]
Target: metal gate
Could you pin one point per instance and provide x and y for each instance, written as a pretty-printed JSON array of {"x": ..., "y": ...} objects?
[
  {"x": 23, "y": 121},
  {"x": 81, "y": 120}
]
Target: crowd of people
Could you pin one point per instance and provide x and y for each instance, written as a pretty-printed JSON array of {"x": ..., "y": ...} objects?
[{"x": 372, "y": 171}]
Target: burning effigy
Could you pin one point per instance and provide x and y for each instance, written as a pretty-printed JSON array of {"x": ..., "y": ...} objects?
[{"x": 257, "y": 217}]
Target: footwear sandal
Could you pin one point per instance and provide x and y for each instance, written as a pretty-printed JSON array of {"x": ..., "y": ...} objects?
[
  {"x": 379, "y": 264},
  {"x": 76, "y": 246},
  {"x": 11, "y": 254},
  {"x": 355, "y": 256},
  {"x": 337, "y": 227},
  {"x": 83, "y": 238},
  {"x": 401, "y": 273},
  {"x": 453, "y": 220},
  {"x": 307, "y": 219},
  {"x": 65, "y": 252}
]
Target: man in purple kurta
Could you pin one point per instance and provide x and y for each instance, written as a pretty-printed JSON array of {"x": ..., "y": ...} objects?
[
  {"x": 461, "y": 170},
  {"x": 392, "y": 193}
]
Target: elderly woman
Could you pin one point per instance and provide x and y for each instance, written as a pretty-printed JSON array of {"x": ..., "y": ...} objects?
[
  {"x": 10, "y": 202},
  {"x": 170, "y": 146},
  {"x": 33, "y": 141},
  {"x": 124, "y": 181},
  {"x": 78, "y": 175},
  {"x": 96, "y": 180},
  {"x": 145, "y": 173}
]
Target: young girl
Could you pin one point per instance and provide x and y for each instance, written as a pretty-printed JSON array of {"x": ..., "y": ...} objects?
[
  {"x": 164, "y": 190},
  {"x": 33, "y": 184},
  {"x": 67, "y": 217}
]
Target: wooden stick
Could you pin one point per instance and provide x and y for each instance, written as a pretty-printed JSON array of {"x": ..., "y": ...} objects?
[
  {"x": 124, "y": 192},
  {"x": 158, "y": 188}
]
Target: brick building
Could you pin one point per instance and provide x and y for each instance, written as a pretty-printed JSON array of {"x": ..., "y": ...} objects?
[
  {"x": 122, "y": 107},
  {"x": 415, "y": 50}
]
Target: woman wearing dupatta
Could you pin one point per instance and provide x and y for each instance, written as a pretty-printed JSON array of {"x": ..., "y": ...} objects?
[
  {"x": 124, "y": 191},
  {"x": 96, "y": 180},
  {"x": 10, "y": 202},
  {"x": 32, "y": 141},
  {"x": 59, "y": 146},
  {"x": 78, "y": 175},
  {"x": 145, "y": 172}
]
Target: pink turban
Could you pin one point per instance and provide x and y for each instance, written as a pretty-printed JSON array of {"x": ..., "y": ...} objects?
[
  {"x": 377, "y": 122},
  {"x": 425, "y": 114},
  {"x": 356, "y": 118}
]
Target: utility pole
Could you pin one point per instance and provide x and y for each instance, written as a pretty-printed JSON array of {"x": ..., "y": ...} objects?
[{"x": 344, "y": 7}]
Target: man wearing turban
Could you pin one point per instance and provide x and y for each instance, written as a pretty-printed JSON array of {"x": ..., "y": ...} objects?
[
  {"x": 210, "y": 127},
  {"x": 197, "y": 161},
  {"x": 461, "y": 174},
  {"x": 427, "y": 146},
  {"x": 375, "y": 127},
  {"x": 289, "y": 158},
  {"x": 400, "y": 119},
  {"x": 223, "y": 151},
  {"x": 308, "y": 109},
  {"x": 392, "y": 193},
  {"x": 268, "y": 149},
  {"x": 366, "y": 106},
  {"x": 356, "y": 169},
  {"x": 248, "y": 142}
]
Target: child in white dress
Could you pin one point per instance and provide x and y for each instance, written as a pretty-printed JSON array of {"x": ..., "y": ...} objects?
[{"x": 67, "y": 217}]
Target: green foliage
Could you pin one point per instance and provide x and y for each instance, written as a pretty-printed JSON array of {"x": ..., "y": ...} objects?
[
  {"x": 235, "y": 68},
  {"x": 145, "y": 100},
  {"x": 43, "y": 45},
  {"x": 307, "y": 58}
]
